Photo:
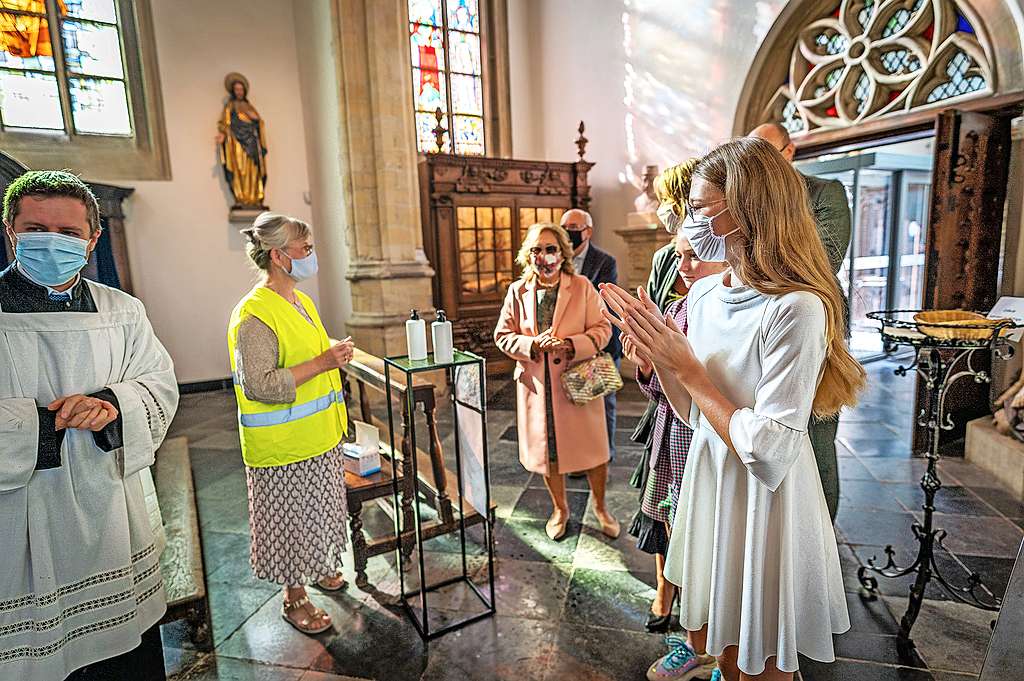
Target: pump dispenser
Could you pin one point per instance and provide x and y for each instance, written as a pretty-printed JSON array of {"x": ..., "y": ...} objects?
[
  {"x": 416, "y": 336},
  {"x": 441, "y": 332}
]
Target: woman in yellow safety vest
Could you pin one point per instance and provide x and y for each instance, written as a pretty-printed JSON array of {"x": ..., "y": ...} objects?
[{"x": 291, "y": 420}]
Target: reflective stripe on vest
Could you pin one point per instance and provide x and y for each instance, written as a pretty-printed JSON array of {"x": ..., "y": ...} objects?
[{"x": 293, "y": 413}]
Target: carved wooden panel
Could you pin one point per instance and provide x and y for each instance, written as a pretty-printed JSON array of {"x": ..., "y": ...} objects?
[
  {"x": 972, "y": 153},
  {"x": 475, "y": 211}
]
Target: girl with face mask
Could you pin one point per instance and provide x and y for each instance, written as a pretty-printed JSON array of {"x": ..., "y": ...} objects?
[
  {"x": 667, "y": 448},
  {"x": 752, "y": 497},
  {"x": 674, "y": 269},
  {"x": 291, "y": 422},
  {"x": 552, "y": 318}
]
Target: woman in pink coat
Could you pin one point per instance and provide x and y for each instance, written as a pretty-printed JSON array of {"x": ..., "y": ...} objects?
[{"x": 550, "y": 320}]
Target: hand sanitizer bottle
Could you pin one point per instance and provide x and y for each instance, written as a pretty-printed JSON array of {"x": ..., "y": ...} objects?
[
  {"x": 441, "y": 331},
  {"x": 416, "y": 337}
]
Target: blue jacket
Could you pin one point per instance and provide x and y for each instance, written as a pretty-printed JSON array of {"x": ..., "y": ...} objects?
[{"x": 600, "y": 268}]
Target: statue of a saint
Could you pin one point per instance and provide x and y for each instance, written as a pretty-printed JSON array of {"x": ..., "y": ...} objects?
[
  {"x": 647, "y": 202},
  {"x": 243, "y": 146}
]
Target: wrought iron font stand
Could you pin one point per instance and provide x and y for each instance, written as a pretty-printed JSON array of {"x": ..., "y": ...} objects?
[{"x": 940, "y": 373}]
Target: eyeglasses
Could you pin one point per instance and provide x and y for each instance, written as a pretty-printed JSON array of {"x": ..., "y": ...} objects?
[
  {"x": 691, "y": 212},
  {"x": 307, "y": 250},
  {"x": 550, "y": 249}
]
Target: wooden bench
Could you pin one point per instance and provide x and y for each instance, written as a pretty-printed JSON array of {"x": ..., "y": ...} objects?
[
  {"x": 182, "y": 559},
  {"x": 436, "y": 481}
]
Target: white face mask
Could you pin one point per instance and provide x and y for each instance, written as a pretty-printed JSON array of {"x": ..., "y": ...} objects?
[
  {"x": 707, "y": 246},
  {"x": 668, "y": 217}
]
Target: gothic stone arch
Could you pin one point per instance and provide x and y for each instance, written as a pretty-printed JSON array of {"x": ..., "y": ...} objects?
[{"x": 828, "y": 69}]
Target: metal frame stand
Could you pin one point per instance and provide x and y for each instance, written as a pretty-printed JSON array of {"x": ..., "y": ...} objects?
[
  {"x": 939, "y": 375},
  {"x": 410, "y": 368}
]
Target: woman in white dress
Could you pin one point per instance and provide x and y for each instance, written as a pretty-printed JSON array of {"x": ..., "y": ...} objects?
[{"x": 752, "y": 547}]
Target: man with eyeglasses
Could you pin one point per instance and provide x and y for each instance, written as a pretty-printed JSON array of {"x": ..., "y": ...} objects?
[
  {"x": 831, "y": 211},
  {"x": 600, "y": 268}
]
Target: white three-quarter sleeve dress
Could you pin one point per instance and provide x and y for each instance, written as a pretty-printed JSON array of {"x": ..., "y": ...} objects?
[{"x": 752, "y": 548}]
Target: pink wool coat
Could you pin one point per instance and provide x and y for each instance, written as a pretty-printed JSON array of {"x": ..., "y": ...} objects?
[{"x": 581, "y": 434}]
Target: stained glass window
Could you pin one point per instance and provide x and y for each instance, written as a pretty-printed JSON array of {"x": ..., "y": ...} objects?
[
  {"x": 77, "y": 85},
  {"x": 869, "y": 59},
  {"x": 447, "y": 74}
]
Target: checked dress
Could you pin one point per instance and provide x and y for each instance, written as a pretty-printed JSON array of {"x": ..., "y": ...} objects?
[{"x": 671, "y": 441}]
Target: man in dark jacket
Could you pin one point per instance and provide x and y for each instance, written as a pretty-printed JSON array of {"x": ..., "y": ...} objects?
[
  {"x": 832, "y": 215},
  {"x": 600, "y": 268}
]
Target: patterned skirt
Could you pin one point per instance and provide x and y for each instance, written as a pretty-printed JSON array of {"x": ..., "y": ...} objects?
[{"x": 297, "y": 517}]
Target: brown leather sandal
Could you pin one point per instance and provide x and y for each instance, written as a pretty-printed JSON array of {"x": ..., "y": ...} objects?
[
  {"x": 327, "y": 585},
  {"x": 313, "y": 623}
]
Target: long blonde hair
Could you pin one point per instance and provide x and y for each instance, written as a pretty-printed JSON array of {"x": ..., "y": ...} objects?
[
  {"x": 782, "y": 252},
  {"x": 530, "y": 240}
]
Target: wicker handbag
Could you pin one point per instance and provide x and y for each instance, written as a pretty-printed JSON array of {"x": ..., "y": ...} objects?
[{"x": 591, "y": 378}]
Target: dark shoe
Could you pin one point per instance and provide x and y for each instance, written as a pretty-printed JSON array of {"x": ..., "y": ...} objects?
[{"x": 658, "y": 624}]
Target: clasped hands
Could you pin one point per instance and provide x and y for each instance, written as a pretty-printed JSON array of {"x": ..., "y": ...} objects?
[
  {"x": 649, "y": 338},
  {"x": 549, "y": 343},
  {"x": 83, "y": 412}
]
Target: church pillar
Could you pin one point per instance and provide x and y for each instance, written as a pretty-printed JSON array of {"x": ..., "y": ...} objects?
[{"x": 386, "y": 267}]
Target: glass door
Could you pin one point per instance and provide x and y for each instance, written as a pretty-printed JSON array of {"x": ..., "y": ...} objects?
[
  {"x": 888, "y": 190},
  {"x": 864, "y": 274},
  {"x": 908, "y": 284},
  {"x": 869, "y": 259}
]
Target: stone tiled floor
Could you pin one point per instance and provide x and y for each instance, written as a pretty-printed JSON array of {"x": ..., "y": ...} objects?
[{"x": 575, "y": 609}]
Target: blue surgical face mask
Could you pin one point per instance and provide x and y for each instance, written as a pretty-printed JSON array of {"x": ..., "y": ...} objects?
[
  {"x": 50, "y": 259},
  {"x": 303, "y": 268},
  {"x": 706, "y": 245}
]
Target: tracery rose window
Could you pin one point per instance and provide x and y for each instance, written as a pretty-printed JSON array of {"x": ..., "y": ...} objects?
[{"x": 871, "y": 58}]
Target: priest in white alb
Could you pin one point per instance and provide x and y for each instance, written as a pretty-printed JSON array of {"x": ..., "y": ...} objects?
[{"x": 87, "y": 393}]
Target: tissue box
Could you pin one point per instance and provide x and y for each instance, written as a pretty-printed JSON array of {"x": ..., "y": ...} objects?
[
  {"x": 362, "y": 461},
  {"x": 362, "y": 457}
]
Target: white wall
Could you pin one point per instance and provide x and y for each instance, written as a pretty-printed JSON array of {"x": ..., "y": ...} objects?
[
  {"x": 318, "y": 76},
  {"x": 188, "y": 262},
  {"x": 656, "y": 81}
]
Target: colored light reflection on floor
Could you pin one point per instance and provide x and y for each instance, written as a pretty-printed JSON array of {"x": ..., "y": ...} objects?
[{"x": 575, "y": 609}]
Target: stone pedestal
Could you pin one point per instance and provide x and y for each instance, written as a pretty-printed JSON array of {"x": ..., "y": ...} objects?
[
  {"x": 998, "y": 454},
  {"x": 643, "y": 235},
  {"x": 244, "y": 216}
]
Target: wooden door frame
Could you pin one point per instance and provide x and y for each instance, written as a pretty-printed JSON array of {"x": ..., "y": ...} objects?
[{"x": 984, "y": 290}]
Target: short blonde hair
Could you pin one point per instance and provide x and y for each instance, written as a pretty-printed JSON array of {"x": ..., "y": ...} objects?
[
  {"x": 530, "y": 240},
  {"x": 270, "y": 231},
  {"x": 672, "y": 186}
]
